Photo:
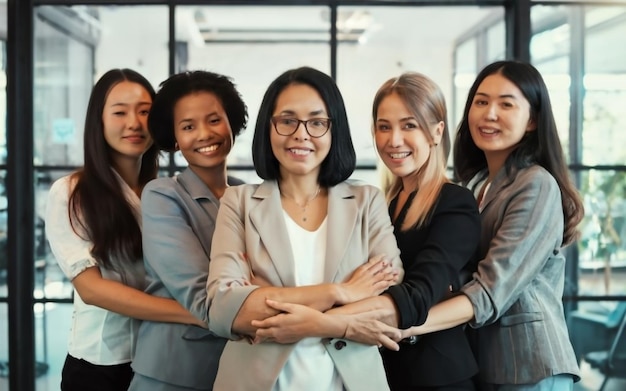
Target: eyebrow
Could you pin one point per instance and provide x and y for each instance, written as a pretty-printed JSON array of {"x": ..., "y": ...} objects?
[
  {"x": 312, "y": 113},
  {"x": 499, "y": 96},
  {"x": 401, "y": 119}
]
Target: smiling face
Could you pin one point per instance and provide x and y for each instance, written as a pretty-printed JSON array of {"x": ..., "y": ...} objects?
[
  {"x": 401, "y": 143},
  {"x": 125, "y": 118},
  {"x": 202, "y": 131},
  {"x": 499, "y": 117},
  {"x": 299, "y": 153}
]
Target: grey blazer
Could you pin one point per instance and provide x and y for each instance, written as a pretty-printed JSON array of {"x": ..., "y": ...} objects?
[
  {"x": 178, "y": 219},
  {"x": 251, "y": 221},
  {"x": 518, "y": 287}
]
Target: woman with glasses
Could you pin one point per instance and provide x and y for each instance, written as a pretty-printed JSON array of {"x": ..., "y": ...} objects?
[{"x": 304, "y": 235}]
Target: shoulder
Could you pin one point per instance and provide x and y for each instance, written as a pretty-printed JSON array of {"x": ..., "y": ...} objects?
[
  {"x": 165, "y": 185},
  {"x": 454, "y": 191},
  {"x": 358, "y": 188},
  {"x": 246, "y": 191},
  {"x": 536, "y": 177},
  {"x": 62, "y": 187}
]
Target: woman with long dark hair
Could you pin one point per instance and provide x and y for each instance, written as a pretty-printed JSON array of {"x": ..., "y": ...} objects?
[{"x": 93, "y": 225}]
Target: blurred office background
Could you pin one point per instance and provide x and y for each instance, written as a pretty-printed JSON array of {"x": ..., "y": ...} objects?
[{"x": 51, "y": 53}]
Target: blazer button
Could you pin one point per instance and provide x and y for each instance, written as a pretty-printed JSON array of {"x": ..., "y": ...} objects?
[{"x": 340, "y": 345}]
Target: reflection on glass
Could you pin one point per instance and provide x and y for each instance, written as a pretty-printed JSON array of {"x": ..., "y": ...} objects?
[
  {"x": 3, "y": 99},
  {"x": 605, "y": 85},
  {"x": 550, "y": 52},
  {"x": 73, "y": 47},
  {"x": 49, "y": 281},
  {"x": 253, "y": 45},
  {"x": 391, "y": 40},
  {"x": 602, "y": 245}
]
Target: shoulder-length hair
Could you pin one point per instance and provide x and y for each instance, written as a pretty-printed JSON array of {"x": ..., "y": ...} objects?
[
  {"x": 341, "y": 160},
  {"x": 98, "y": 204},
  {"x": 426, "y": 102},
  {"x": 542, "y": 146},
  {"x": 161, "y": 118}
]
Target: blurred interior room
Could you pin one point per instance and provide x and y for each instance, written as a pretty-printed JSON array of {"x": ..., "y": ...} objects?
[{"x": 51, "y": 53}]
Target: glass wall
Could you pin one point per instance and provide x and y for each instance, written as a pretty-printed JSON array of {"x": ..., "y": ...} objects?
[{"x": 577, "y": 48}]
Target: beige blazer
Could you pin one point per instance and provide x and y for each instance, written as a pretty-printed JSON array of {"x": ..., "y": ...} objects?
[{"x": 250, "y": 220}]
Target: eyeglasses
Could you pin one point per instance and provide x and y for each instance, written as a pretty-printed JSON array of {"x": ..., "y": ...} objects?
[{"x": 315, "y": 127}]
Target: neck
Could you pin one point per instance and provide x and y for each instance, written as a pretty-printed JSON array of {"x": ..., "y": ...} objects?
[
  {"x": 300, "y": 192},
  {"x": 214, "y": 178},
  {"x": 129, "y": 170}
]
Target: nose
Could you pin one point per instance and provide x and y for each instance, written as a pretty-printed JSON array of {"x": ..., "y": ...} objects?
[
  {"x": 492, "y": 112},
  {"x": 395, "y": 138},
  {"x": 133, "y": 121},
  {"x": 204, "y": 132},
  {"x": 301, "y": 133}
]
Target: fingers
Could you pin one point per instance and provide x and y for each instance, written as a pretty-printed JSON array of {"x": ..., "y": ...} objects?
[{"x": 388, "y": 343}]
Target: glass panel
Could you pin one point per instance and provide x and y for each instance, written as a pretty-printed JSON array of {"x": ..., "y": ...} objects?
[
  {"x": 3, "y": 92},
  {"x": 253, "y": 45},
  {"x": 550, "y": 51},
  {"x": 50, "y": 282},
  {"x": 52, "y": 326},
  {"x": 4, "y": 340},
  {"x": 3, "y": 236},
  {"x": 605, "y": 86},
  {"x": 496, "y": 45},
  {"x": 382, "y": 42},
  {"x": 466, "y": 68},
  {"x": 73, "y": 47},
  {"x": 602, "y": 245}
]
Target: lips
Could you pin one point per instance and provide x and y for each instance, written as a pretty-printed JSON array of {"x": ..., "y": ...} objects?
[
  {"x": 399, "y": 155},
  {"x": 299, "y": 151},
  {"x": 208, "y": 148}
]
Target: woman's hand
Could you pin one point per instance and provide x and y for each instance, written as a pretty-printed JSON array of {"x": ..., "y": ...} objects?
[
  {"x": 295, "y": 322},
  {"x": 370, "y": 279},
  {"x": 366, "y": 328}
]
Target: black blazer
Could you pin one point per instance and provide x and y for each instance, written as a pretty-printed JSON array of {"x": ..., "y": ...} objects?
[{"x": 435, "y": 257}]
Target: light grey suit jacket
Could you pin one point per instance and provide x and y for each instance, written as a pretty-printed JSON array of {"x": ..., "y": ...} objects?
[
  {"x": 251, "y": 221},
  {"x": 178, "y": 218},
  {"x": 518, "y": 288}
]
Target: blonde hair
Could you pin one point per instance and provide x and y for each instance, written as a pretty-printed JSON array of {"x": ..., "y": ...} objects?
[{"x": 425, "y": 101}]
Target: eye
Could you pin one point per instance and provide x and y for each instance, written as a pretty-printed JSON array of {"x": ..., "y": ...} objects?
[
  {"x": 144, "y": 112},
  {"x": 381, "y": 127},
  {"x": 480, "y": 102},
  {"x": 215, "y": 121},
  {"x": 119, "y": 113},
  {"x": 410, "y": 126},
  {"x": 187, "y": 127},
  {"x": 507, "y": 104}
]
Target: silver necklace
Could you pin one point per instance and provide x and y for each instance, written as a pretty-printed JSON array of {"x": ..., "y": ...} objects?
[{"x": 303, "y": 206}]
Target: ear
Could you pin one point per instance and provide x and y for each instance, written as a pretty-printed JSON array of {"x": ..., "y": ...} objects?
[
  {"x": 532, "y": 126},
  {"x": 176, "y": 148},
  {"x": 437, "y": 132}
]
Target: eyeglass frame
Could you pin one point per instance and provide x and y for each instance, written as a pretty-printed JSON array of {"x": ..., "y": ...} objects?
[{"x": 274, "y": 119}]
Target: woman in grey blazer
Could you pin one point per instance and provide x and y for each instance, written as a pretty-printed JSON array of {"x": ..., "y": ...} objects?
[
  {"x": 299, "y": 237},
  {"x": 200, "y": 114},
  {"x": 508, "y": 152}
]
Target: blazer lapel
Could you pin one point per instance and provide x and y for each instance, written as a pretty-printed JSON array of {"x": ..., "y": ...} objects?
[
  {"x": 342, "y": 217},
  {"x": 499, "y": 182},
  {"x": 268, "y": 221}
]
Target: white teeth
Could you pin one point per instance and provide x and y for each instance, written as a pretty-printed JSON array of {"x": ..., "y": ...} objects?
[
  {"x": 210, "y": 148},
  {"x": 399, "y": 155},
  {"x": 300, "y": 151},
  {"x": 488, "y": 131}
]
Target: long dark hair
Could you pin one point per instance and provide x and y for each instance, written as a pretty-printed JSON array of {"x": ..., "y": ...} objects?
[
  {"x": 97, "y": 204},
  {"x": 542, "y": 146}
]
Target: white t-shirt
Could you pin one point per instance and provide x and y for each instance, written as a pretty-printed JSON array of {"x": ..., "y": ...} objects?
[
  {"x": 98, "y": 336},
  {"x": 309, "y": 367}
]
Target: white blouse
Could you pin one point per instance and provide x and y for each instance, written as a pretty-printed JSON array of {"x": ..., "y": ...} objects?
[
  {"x": 309, "y": 367},
  {"x": 98, "y": 336}
]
